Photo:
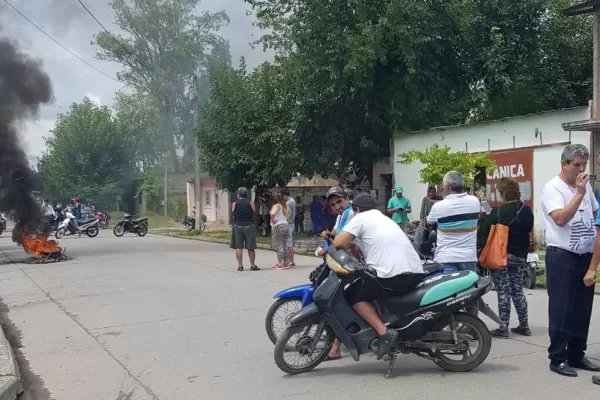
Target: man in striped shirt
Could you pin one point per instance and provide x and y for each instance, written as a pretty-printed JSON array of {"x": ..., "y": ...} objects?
[{"x": 456, "y": 217}]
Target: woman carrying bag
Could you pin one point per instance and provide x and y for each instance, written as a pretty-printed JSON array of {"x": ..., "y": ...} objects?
[{"x": 504, "y": 236}]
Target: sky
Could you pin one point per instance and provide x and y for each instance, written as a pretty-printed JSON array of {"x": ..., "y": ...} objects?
[{"x": 68, "y": 23}]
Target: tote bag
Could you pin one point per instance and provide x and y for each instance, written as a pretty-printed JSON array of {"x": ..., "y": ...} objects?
[{"x": 495, "y": 252}]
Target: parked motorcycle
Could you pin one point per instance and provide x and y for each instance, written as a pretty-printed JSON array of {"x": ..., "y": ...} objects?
[
  {"x": 67, "y": 226},
  {"x": 103, "y": 219},
  {"x": 190, "y": 222},
  {"x": 139, "y": 226},
  {"x": 532, "y": 270},
  {"x": 2, "y": 223},
  {"x": 291, "y": 300},
  {"x": 428, "y": 319}
]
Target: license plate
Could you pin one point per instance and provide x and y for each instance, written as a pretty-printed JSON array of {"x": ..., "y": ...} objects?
[{"x": 531, "y": 257}]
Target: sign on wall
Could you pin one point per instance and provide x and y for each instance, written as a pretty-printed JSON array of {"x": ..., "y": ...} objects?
[{"x": 516, "y": 165}]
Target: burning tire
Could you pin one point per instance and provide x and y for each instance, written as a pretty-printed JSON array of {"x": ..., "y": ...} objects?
[{"x": 92, "y": 231}]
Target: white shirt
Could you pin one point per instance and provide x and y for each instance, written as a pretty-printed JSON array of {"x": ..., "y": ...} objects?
[
  {"x": 578, "y": 234},
  {"x": 456, "y": 217},
  {"x": 384, "y": 246}
]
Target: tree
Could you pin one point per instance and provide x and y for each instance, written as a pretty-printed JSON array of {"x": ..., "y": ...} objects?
[
  {"x": 87, "y": 156},
  {"x": 439, "y": 160},
  {"x": 245, "y": 134},
  {"x": 168, "y": 42}
]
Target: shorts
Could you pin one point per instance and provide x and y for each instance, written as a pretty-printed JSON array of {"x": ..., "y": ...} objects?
[
  {"x": 290, "y": 239},
  {"x": 369, "y": 289},
  {"x": 462, "y": 266},
  {"x": 243, "y": 237}
]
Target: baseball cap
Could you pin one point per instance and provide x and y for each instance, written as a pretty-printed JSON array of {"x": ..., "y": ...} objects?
[
  {"x": 398, "y": 189},
  {"x": 364, "y": 202},
  {"x": 335, "y": 191}
]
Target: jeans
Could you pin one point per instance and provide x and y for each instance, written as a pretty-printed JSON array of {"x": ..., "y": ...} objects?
[
  {"x": 569, "y": 304},
  {"x": 317, "y": 225}
]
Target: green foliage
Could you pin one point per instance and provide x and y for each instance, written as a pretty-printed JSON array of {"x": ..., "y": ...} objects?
[
  {"x": 151, "y": 191},
  {"x": 88, "y": 155},
  {"x": 178, "y": 208},
  {"x": 244, "y": 130},
  {"x": 438, "y": 161},
  {"x": 166, "y": 43}
]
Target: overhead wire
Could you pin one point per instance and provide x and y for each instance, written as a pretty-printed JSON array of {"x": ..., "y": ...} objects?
[{"x": 58, "y": 43}]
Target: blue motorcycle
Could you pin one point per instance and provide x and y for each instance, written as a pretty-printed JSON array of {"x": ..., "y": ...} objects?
[{"x": 291, "y": 300}]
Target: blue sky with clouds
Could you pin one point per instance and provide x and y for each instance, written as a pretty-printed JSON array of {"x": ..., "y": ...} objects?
[{"x": 69, "y": 23}]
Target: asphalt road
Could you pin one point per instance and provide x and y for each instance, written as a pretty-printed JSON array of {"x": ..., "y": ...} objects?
[{"x": 164, "y": 318}]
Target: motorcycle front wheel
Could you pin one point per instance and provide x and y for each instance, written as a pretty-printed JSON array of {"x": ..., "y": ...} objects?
[
  {"x": 279, "y": 312},
  {"x": 104, "y": 224},
  {"x": 296, "y": 342},
  {"x": 60, "y": 232},
  {"x": 92, "y": 231},
  {"x": 142, "y": 230},
  {"x": 119, "y": 229}
]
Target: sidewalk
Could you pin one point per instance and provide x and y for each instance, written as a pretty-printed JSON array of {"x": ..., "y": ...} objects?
[{"x": 10, "y": 378}]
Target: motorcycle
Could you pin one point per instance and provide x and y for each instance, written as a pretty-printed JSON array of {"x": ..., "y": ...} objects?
[
  {"x": 67, "y": 227},
  {"x": 103, "y": 219},
  {"x": 2, "y": 224},
  {"x": 532, "y": 269},
  {"x": 291, "y": 300},
  {"x": 190, "y": 222},
  {"x": 428, "y": 319},
  {"x": 139, "y": 226}
]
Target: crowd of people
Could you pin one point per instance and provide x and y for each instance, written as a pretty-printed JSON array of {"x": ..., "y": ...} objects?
[{"x": 463, "y": 228}]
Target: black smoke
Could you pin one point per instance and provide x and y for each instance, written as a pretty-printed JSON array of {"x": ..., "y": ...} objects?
[{"x": 23, "y": 87}]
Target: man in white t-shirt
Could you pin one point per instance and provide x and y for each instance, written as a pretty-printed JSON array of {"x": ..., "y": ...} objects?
[
  {"x": 385, "y": 249},
  {"x": 569, "y": 208}
]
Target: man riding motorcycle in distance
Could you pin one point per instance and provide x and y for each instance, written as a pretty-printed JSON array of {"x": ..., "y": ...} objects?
[
  {"x": 340, "y": 202},
  {"x": 388, "y": 251}
]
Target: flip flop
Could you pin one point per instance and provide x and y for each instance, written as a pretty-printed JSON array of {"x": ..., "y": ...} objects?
[{"x": 329, "y": 358}]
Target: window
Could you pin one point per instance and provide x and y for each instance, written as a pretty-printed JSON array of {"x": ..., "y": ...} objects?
[{"x": 207, "y": 198}]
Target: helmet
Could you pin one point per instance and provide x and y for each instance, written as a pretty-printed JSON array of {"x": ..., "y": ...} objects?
[
  {"x": 335, "y": 191},
  {"x": 242, "y": 192},
  {"x": 424, "y": 241}
]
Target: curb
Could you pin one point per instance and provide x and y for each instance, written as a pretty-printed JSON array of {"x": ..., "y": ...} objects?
[
  {"x": 224, "y": 241},
  {"x": 10, "y": 377}
]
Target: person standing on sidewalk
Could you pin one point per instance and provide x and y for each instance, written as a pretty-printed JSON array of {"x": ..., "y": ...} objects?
[
  {"x": 509, "y": 281},
  {"x": 291, "y": 219},
  {"x": 569, "y": 209},
  {"x": 280, "y": 231},
  {"x": 400, "y": 207},
  {"x": 243, "y": 230}
]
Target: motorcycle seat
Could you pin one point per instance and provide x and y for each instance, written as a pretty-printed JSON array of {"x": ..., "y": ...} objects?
[
  {"x": 431, "y": 290},
  {"x": 137, "y": 220},
  {"x": 433, "y": 267},
  {"x": 87, "y": 221}
]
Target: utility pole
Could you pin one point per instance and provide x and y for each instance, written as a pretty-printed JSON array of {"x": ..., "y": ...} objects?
[
  {"x": 165, "y": 194},
  {"x": 197, "y": 193}
]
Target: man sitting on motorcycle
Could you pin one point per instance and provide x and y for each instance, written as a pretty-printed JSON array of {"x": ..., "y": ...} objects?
[{"x": 388, "y": 251}]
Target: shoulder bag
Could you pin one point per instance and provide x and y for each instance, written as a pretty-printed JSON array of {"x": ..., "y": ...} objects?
[{"x": 495, "y": 254}]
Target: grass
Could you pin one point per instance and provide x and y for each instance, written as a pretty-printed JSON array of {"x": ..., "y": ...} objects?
[
  {"x": 541, "y": 280},
  {"x": 221, "y": 235}
]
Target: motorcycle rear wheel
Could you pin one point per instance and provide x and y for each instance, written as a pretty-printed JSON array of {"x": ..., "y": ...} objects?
[
  {"x": 60, "y": 232},
  {"x": 481, "y": 334},
  {"x": 293, "y": 304},
  {"x": 92, "y": 231},
  {"x": 304, "y": 339},
  {"x": 142, "y": 230},
  {"x": 104, "y": 224},
  {"x": 119, "y": 229}
]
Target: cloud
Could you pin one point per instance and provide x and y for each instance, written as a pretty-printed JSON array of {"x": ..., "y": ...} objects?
[{"x": 95, "y": 99}]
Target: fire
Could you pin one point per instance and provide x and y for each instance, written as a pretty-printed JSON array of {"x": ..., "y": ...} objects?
[{"x": 39, "y": 245}]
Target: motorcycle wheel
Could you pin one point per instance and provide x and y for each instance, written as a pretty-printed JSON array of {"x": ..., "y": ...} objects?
[
  {"x": 529, "y": 278},
  {"x": 60, "y": 232},
  {"x": 480, "y": 333},
  {"x": 297, "y": 340},
  {"x": 281, "y": 310},
  {"x": 142, "y": 230},
  {"x": 104, "y": 224},
  {"x": 92, "y": 231},
  {"x": 119, "y": 229}
]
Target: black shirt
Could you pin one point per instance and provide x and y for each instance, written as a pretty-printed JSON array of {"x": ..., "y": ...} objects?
[
  {"x": 242, "y": 213},
  {"x": 518, "y": 232}
]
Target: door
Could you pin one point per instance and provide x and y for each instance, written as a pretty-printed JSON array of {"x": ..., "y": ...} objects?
[{"x": 208, "y": 204}]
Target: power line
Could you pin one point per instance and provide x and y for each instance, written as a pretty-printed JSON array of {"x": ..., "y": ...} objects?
[
  {"x": 58, "y": 43},
  {"x": 103, "y": 27}
]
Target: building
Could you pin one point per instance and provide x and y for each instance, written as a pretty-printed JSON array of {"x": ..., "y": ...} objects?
[{"x": 525, "y": 148}]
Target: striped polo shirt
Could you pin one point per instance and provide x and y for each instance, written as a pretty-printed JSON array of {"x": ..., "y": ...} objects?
[{"x": 456, "y": 217}]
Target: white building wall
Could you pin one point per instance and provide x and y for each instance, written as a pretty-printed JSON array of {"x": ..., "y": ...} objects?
[{"x": 542, "y": 132}]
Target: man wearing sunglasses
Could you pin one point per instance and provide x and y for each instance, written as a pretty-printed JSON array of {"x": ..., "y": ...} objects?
[{"x": 386, "y": 250}]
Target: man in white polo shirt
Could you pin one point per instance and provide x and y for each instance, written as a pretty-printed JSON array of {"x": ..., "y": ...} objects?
[{"x": 456, "y": 217}]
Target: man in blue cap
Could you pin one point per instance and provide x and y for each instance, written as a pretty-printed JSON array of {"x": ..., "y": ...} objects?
[{"x": 399, "y": 206}]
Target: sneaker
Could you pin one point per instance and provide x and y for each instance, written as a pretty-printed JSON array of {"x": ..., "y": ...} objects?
[
  {"x": 254, "y": 268},
  {"x": 500, "y": 333},
  {"x": 521, "y": 330},
  {"x": 280, "y": 266},
  {"x": 240, "y": 268},
  {"x": 292, "y": 264}
]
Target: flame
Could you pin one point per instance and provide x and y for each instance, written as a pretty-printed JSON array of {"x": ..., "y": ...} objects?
[{"x": 39, "y": 245}]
